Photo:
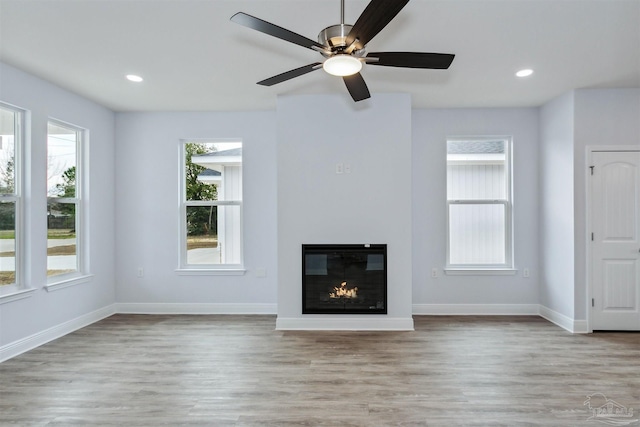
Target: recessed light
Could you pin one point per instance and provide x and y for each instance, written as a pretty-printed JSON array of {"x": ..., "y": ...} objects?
[
  {"x": 524, "y": 73},
  {"x": 134, "y": 78}
]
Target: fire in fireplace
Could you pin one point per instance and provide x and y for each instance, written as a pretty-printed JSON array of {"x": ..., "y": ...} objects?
[
  {"x": 344, "y": 279},
  {"x": 343, "y": 292}
]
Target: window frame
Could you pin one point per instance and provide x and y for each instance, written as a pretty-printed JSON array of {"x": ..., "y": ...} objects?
[
  {"x": 205, "y": 269},
  {"x": 475, "y": 268},
  {"x": 18, "y": 288},
  {"x": 81, "y": 274}
]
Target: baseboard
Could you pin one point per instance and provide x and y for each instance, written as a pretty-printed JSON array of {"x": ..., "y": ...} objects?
[
  {"x": 344, "y": 324},
  {"x": 475, "y": 309},
  {"x": 195, "y": 308},
  {"x": 565, "y": 322},
  {"x": 581, "y": 327},
  {"x": 36, "y": 340}
]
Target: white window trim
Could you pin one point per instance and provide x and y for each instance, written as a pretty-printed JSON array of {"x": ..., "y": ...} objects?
[
  {"x": 81, "y": 275},
  {"x": 487, "y": 269},
  {"x": 68, "y": 280},
  {"x": 18, "y": 290},
  {"x": 10, "y": 293},
  {"x": 185, "y": 269},
  {"x": 207, "y": 271},
  {"x": 480, "y": 271}
]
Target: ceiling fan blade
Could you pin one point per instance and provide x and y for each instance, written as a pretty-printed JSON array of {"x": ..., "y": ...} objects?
[
  {"x": 290, "y": 74},
  {"x": 373, "y": 19},
  {"x": 440, "y": 61},
  {"x": 274, "y": 30},
  {"x": 356, "y": 87}
]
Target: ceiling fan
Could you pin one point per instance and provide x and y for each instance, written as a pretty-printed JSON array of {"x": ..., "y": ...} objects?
[{"x": 344, "y": 47}]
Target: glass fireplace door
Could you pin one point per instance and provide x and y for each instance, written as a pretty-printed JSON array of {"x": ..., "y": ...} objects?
[{"x": 344, "y": 279}]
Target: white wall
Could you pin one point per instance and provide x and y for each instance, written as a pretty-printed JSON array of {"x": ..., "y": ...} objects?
[
  {"x": 569, "y": 125},
  {"x": 147, "y": 215},
  {"x": 556, "y": 209},
  {"x": 21, "y": 320},
  {"x": 430, "y": 131},
  {"x": 372, "y": 204},
  {"x": 602, "y": 117}
]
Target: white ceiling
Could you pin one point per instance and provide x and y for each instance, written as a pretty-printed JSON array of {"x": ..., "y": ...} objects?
[{"x": 194, "y": 58}]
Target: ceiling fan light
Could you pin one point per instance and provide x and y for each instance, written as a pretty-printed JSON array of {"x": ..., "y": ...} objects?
[{"x": 342, "y": 65}]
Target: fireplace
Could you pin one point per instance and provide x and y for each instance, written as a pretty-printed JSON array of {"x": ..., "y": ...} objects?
[{"x": 344, "y": 279}]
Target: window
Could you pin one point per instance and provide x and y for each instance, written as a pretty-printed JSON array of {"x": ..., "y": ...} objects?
[
  {"x": 211, "y": 205},
  {"x": 479, "y": 204},
  {"x": 11, "y": 135},
  {"x": 64, "y": 192}
]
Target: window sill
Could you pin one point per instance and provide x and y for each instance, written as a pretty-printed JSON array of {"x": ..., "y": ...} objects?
[
  {"x": 65, "y": 283},
  {"x": 480, "y": 272},
  {"x": 13, "y": 293},
  {"x": 210, "y": 271}
]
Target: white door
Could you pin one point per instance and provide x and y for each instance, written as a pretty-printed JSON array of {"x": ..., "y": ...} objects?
[{"x": 615, "y": 246}]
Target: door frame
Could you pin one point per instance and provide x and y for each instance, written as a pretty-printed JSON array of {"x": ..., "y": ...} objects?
[{"x": 590, "y": 149}]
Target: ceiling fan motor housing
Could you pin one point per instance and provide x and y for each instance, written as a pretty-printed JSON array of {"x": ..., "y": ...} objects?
[{"x": 334, "y": 38}]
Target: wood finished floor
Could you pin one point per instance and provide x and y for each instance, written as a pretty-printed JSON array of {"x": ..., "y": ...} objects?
[{"x": 157, "y": 370}]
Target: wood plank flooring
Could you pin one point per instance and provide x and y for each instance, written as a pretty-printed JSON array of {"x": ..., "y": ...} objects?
[{"x": 169, "y": 370}]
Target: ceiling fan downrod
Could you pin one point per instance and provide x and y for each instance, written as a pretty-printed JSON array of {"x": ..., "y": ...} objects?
[{"x": 335, "y": 36}]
